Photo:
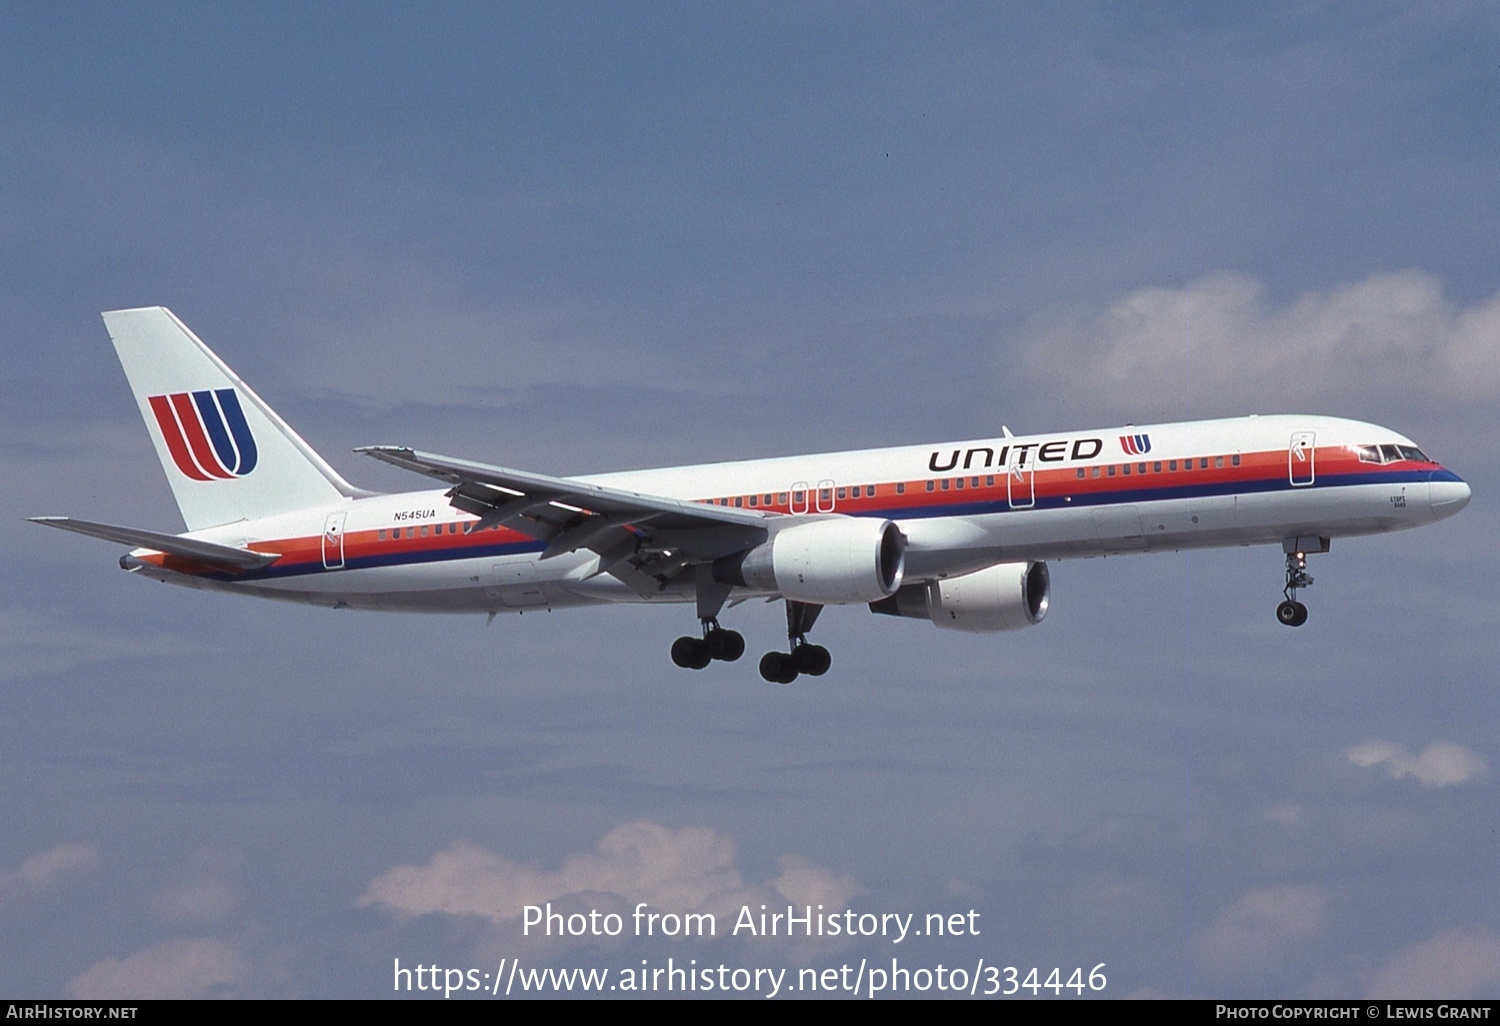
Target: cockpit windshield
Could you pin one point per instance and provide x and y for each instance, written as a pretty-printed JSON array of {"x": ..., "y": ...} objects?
[{"x": 1390, "y": 453}]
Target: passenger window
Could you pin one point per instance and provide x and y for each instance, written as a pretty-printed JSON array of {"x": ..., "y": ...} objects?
[
  {"x": 1080, "y": 473},
  {"x": 739, "y": 500},
  {"x": 900, "y": 487},
  {"x": 753, "y": 498},
  {"x": 945, "y": 484},
  {"x": 931, "y": 485},
  {"x": 797, "y": 497},
  {"x": 1094, "y": 472},
  {"x": 1111, "y": 469},
  {"x": 959, "y": 484},
  {"x": 869, "y": 491},
  {"x": 1218, "y": 461},
  {"x": 1140, "y": 468},
  {"x": 1127, "y": 469},
  {"x": 1235, "y": 459},
  {"x": 1156, "y": 467},
  {"x": 989, "y": 481},
  {"x": 781, "y": 498},
  {"x": 766, "y": 499},
  {"x": 842, "y": 491},
  {"x": 382, "y": 534},
  {"x": 1172, "y": 465},
  {"x": 974, "y": 482}
]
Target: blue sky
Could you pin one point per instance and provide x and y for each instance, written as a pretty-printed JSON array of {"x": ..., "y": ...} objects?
[{"x": 605, "y": 236}]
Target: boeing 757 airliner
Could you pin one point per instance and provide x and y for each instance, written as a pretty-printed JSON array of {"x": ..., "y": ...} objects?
[{"x": 957, "y": 533}]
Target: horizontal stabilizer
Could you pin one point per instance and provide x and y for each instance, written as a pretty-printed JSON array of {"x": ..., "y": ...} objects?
[{"x": 171, "y": 544}]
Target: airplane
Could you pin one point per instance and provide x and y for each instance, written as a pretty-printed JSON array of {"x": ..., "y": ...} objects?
[{"x": 959, "y": 534}]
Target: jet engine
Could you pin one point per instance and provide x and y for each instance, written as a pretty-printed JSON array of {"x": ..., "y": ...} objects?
[
  {"x": 829, "y": 562},
  {"x": 1006, "y": 597}
]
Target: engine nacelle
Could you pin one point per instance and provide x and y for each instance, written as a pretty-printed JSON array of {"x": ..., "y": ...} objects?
[
  {"x": 830, "y": 562},
  {"x": 999, "y": 598}
]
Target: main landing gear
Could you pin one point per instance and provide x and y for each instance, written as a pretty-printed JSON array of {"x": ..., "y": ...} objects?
[
  {"x": 1291, "y": 612},
  {"x": 692, "y": 653},
  {"x": 804, "y": 657}
]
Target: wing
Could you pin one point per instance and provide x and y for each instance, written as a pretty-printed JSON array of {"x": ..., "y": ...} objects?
[
  {"x": 210, "y": 553},
  {"x": 644, "y": 540}
]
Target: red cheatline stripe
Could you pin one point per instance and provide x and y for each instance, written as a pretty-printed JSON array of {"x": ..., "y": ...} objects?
[
  {"x": 172, "y": 434},
  {"x": 192, "y": 429}
]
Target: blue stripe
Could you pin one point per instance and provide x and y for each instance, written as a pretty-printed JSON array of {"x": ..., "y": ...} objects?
[
  {"x": 229, "y": 400},
  {"x": 1126, "y": 497},
  {"x": 213, "y": 423},
  {"x": 445, "y": 555}
]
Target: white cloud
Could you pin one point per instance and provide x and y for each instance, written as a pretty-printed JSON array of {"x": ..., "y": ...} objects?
[
  {"x": 1440, "y": 764},
  {"x": 182, "y": 967},
  {"x": 47, "y": 871},
  {"x": 688, "y": 870},
  {"x": 1452, "y": 965},
  {"x": 1222, "y": 341},
  {"x": 1262, "y": 931},
  {"x": 803, "y": 883}
]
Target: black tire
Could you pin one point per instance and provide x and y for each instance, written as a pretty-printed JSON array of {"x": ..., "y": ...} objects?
[
  {"x": 1301, "y": 615},
  {"x": 813, "y": 660},
  {"x": 1293, "y": 614},
  {"x": 690, "y": 653},
  {"x": 725, "y": 645},
  {"x": 777, "y": 667}
]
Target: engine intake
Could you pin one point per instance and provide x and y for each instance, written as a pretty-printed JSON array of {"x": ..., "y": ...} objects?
[{"x": 1006, "y": 597}]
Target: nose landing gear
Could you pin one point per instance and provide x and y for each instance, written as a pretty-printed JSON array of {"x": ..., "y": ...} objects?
[{"x": 1291, "y": 612}]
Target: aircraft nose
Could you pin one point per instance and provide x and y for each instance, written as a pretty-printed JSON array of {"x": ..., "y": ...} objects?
[{"x": 1449, "y": 493}]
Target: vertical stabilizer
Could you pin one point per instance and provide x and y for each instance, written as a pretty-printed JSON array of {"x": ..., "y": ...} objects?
[{"x": 227, "y": 455}]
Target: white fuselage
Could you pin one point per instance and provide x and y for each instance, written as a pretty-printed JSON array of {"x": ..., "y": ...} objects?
[{"x": 962, "y": 506}]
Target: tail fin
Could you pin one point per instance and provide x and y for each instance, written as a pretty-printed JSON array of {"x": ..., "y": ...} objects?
[{"x": 227, "y": 455}]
